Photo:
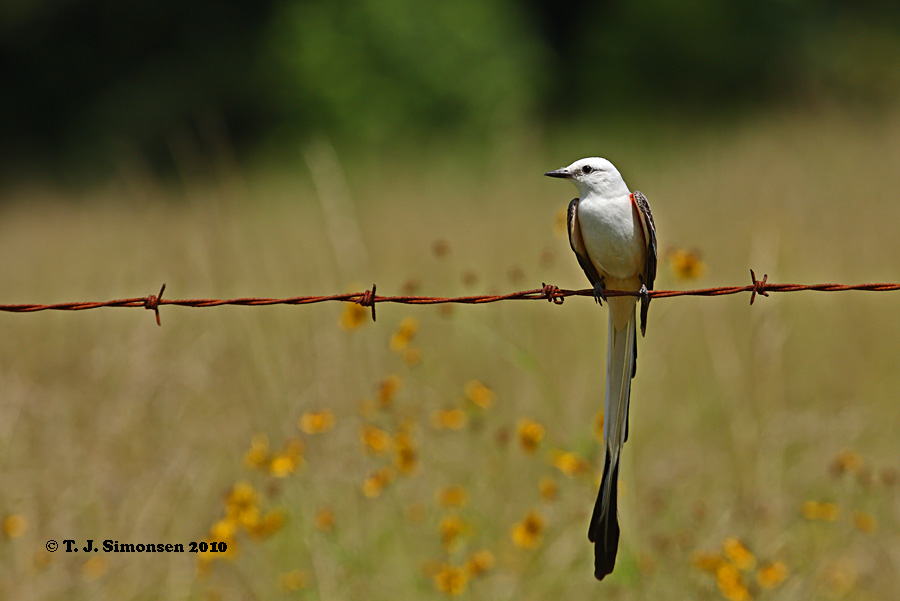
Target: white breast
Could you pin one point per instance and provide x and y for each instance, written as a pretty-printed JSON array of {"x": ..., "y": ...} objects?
[{"x": 613, "y": 236}]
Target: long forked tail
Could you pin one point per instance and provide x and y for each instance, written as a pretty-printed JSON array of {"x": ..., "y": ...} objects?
[{"x": 604, "y": 528}]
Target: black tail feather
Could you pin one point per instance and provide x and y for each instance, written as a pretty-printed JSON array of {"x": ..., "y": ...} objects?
[{"x": 604, "y": 528}]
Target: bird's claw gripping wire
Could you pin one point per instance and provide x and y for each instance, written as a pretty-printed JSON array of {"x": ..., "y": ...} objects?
[{"x": 600, "y": 291}]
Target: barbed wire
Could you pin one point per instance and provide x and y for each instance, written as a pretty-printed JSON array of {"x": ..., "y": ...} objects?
[{"x": 368, "y": 298}]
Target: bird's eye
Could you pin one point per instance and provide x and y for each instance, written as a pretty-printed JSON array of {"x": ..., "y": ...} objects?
[{"x": 587, "y": 169}]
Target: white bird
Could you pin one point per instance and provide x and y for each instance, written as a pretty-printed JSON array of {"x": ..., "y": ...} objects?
[{"x": 612, "y": 233}]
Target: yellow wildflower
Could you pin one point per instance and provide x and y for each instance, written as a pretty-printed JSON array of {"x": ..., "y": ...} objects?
[
  {"x": 412, "y": 356},
  {"x": 569, "y": 463},
  {"x": 480, "y": 562},
  {"x": 739, "y": 555},
  {"x": 548, "y": 488},
  {"x": 847, "y": 461},
  {"x": 376, "y": 481},
  {"x": 865, "y": 522},
  {"x": 731, "y": 583},
  {"x": 686, "y": 264},
  {"x": 560, "y": 222},
  {"x": 258, "y": 455},
  {"x": 353, "y": 316},
  {"x": 450, "y": 419},
  {"x": 771, "y": 575},
  {"x": 375, "y": 440},
  {"x": 531, "y": 433},
  {"x": 813, "y": 510},
  {"x": 451, "y": 528},
  {"x": 451, "y": 496},
  {"x": 242, "y": 504},
  {"x": 708, "y": 562},
  {"x": 94, "y": 568},
  {"x": 479, "y": 394},
  {"x": 223, "y": 530},
  {"x": 400, "y": 339},
  {"x": 14, "y": 525},
  {"x": 270, "y": 523},
  {"x": 405, "y": 454},
  {"x": 450, "y": 580},
  {"x": 284, "y": 462},
  {"x": 325, "y": 520},
  {"x": 528, "y": 533},
  {"x": 388, "y": 390},
  {"x": 292, "y": 581},
  {"x": 317, "y": 422}
]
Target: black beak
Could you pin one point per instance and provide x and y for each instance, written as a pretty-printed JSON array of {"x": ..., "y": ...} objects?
[{"x": 561, "y": 173}]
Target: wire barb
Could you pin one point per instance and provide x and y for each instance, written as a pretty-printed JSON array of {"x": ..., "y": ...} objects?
[
  {"x": 368, "y": 299},
  {"x": 758, "y": 286},
  {"x": 152, "y": 303},
  {"x": 552, "y": 293}
]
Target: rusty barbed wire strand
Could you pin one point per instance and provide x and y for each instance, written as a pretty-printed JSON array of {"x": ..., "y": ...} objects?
[{"x": 368, "y": 298}]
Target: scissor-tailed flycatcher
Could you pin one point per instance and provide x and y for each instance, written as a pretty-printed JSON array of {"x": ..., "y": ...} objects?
[{"x": 612, "y": 233}]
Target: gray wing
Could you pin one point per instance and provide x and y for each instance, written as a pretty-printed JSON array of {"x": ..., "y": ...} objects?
[
  {"x": 652, "y": 255},
  {"x": 577, "y": 244}
]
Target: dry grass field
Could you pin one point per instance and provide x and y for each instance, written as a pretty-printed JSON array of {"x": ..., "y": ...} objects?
[{"x": 452, "y": 451}]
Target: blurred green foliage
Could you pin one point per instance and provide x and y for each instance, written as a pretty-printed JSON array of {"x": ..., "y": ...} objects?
[{"x": 86, "y": 81}]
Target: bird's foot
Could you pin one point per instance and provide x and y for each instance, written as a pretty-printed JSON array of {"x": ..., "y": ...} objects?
[{"x": 600, "y": 291}]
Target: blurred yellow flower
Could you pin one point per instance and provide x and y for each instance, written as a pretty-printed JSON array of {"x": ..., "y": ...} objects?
[
  {"x": 708, "y": 562},
  {"x": 548, "y": 488},
  {"x": 405, "y": 454},
  {"x": 285, "y": 462},
  {"x": 686, "y": 264},
  {"x": 270, "y": 523},
  {"x": 813, "y": 510},
  {"x": 479, "y": 394},
  {"x": 388, "y": 390},
  {"x": 353, "y": 316},
  {"x": 847, "y": 461},
  {"x": 479, "y": 562},
  {"x": 375, "y": 440},
  {"x": 451, "y": 528},
  {"x": 317, "y": 422},
  {"x": 258, "y": 455},
  {"x": 560, "y": 222},
  {"x": 242, "y": 504},
  {"x": 14, "y": 525},
  {"x": 325, "y": 520},
  {"x": 598, "y": 425},
  {"x": 739, "y": 555},
  {"x": 452, "y": 496},
  {"x": 223, "y": 530},
  {"x": 450, "y": 419},
  {"x": 569, "y": 463},
  {"x": 94, "y": 568},
  {"x": 531, "y": 433},
  {"x": 450, "y": 580},
  {"x": 292, "y": 581},
  {"x": 731, "y": 583},
  {"x": 865, "y": 522},
  {"x": 405, "y": 332},
  {"x": 771, "y": 575},
  {"x": 412, "y": 356},
  {"x": 375, "y": 482},
  {"x": 528, "y": 534}
]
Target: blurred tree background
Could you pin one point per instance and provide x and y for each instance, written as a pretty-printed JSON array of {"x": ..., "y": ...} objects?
[{"x": 85, "y": 82}]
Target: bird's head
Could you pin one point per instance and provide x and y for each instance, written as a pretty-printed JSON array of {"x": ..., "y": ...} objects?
[{"x": 593, "y": 176}]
